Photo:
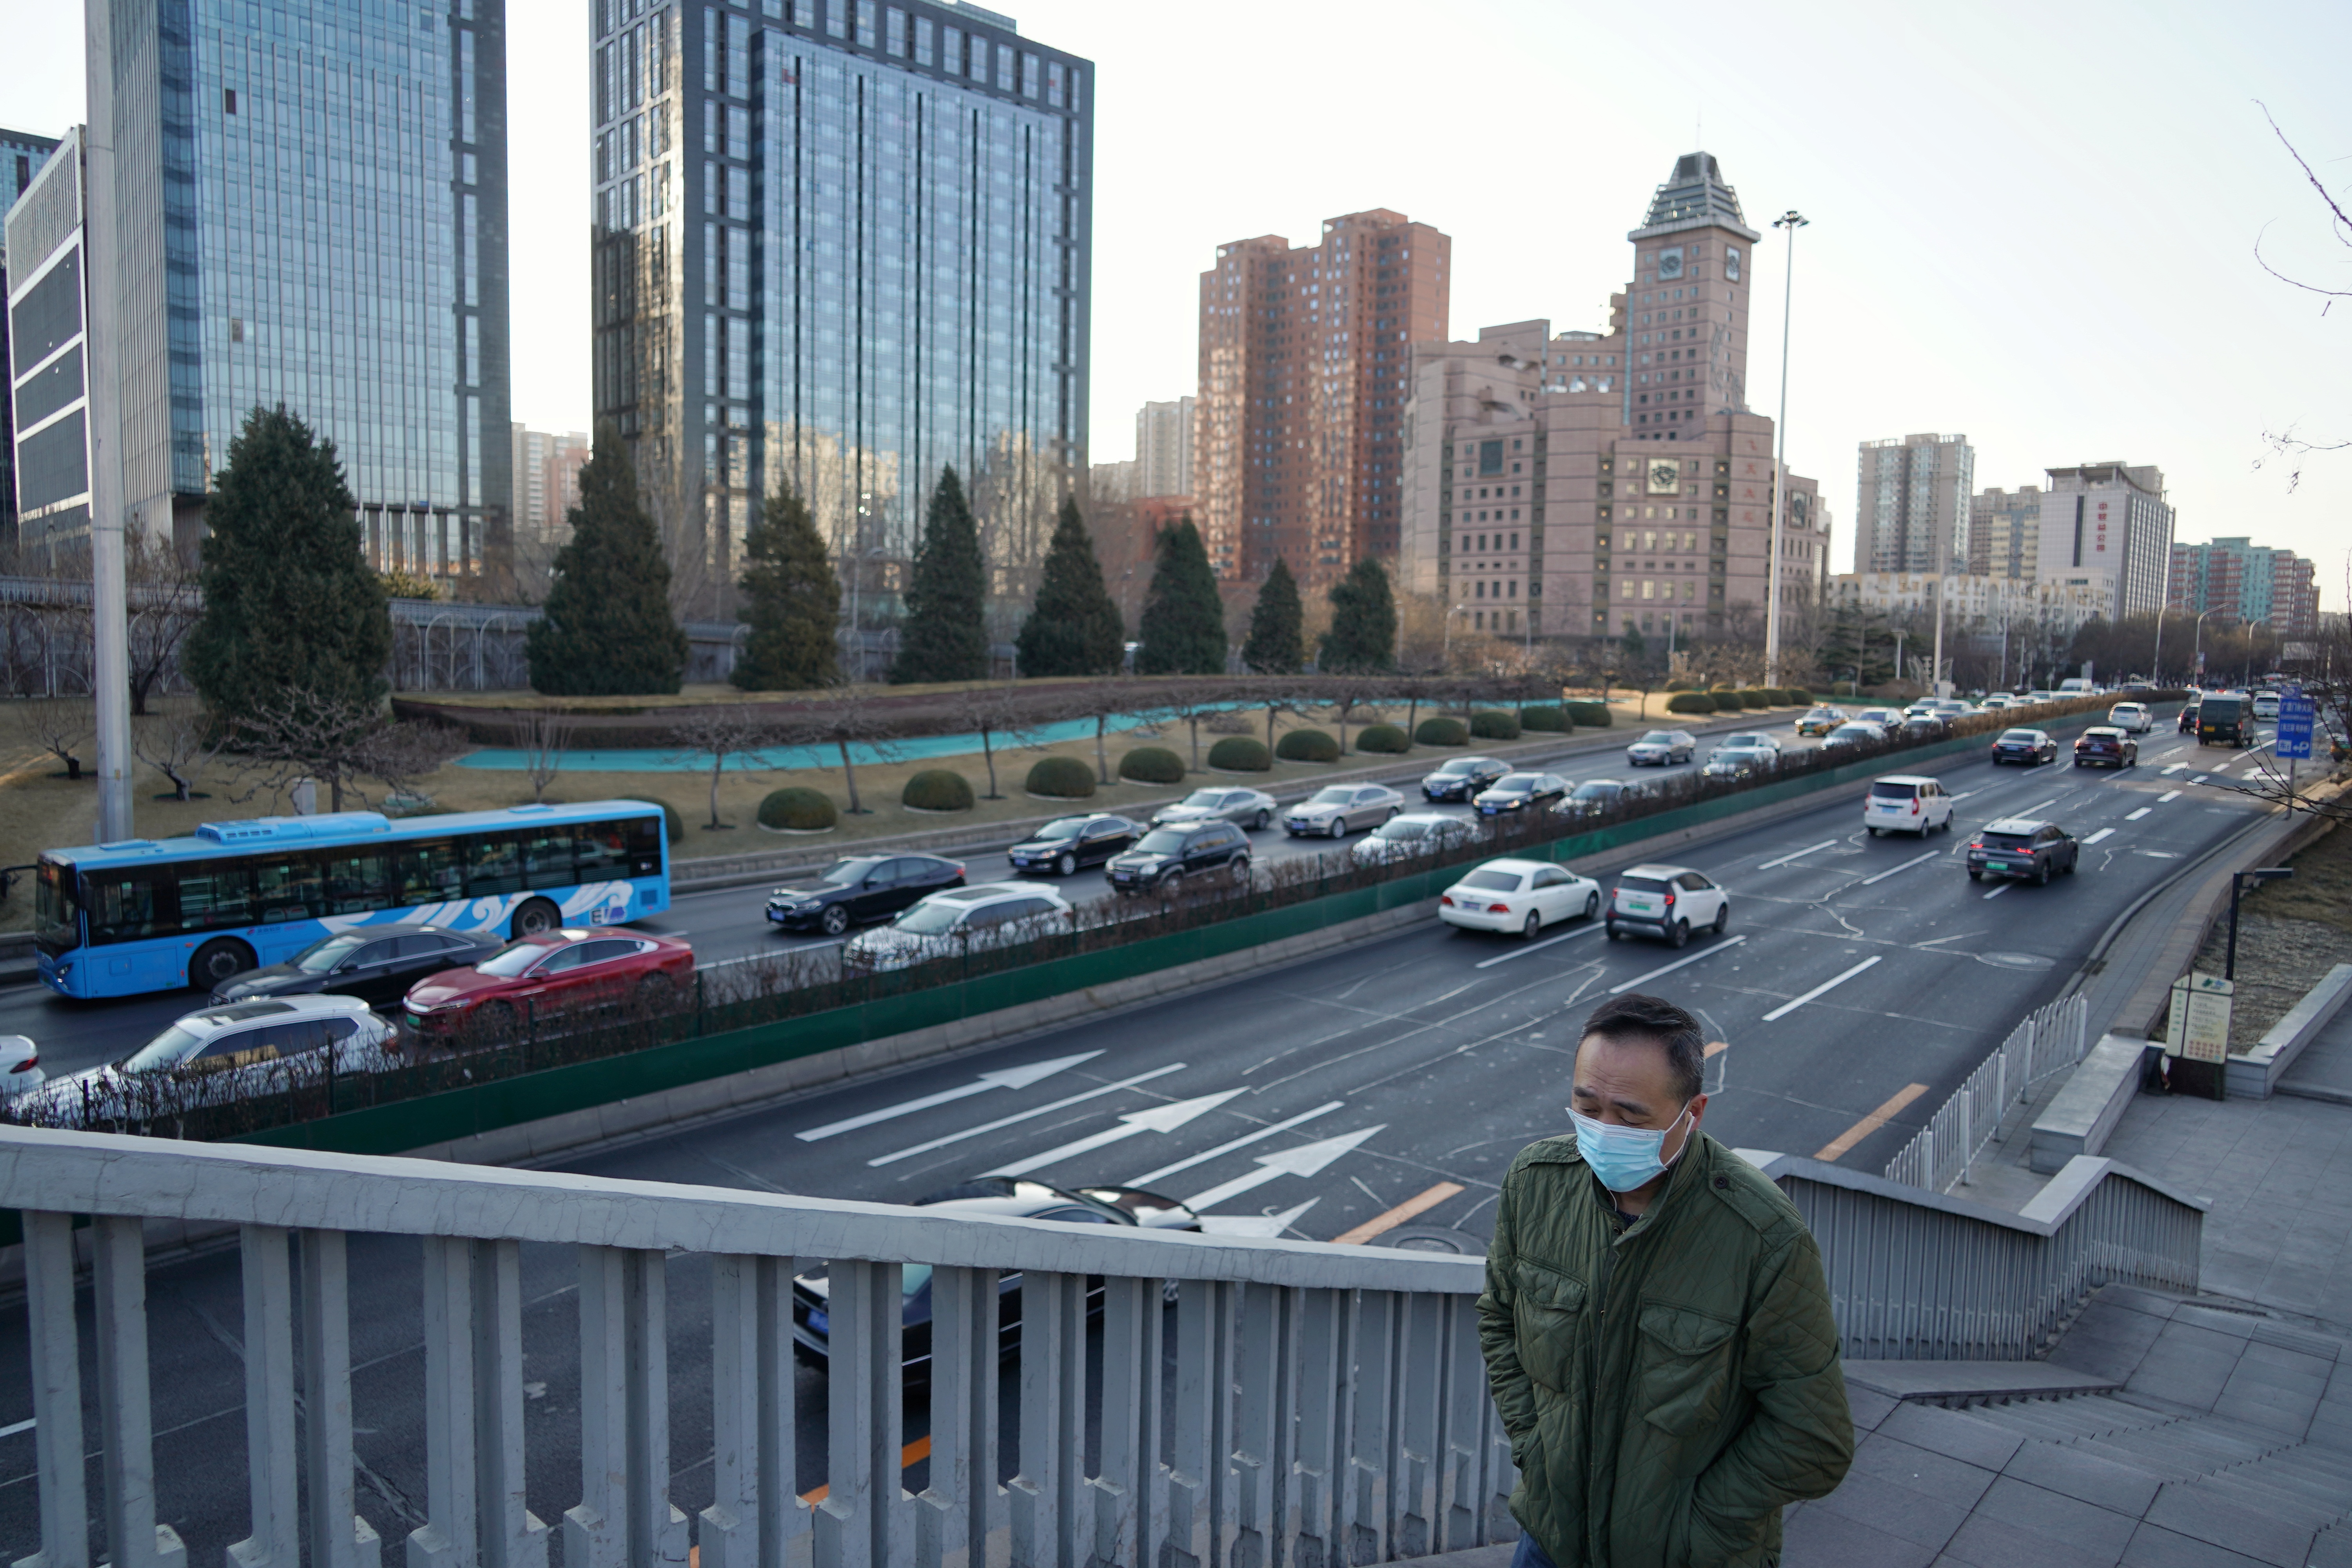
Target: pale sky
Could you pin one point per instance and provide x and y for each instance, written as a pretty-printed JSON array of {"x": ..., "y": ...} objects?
[{"x": 2033, "y": 224}]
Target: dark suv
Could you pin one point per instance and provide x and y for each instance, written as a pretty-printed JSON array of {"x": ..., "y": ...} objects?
[
  {"x": 1462, "y": 777},
  {"x": 2020, "y": 847},
  {"x": 1169, "y": 854}
]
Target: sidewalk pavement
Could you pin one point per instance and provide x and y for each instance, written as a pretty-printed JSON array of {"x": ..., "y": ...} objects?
[{"x": 2323, "y": 1071}]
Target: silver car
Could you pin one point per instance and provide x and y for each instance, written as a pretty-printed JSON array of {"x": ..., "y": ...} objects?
[
  {"x": 1414, "y": 832},
  {"x": 1750, "y": 739},
  {"x": 1739, "y": 761},
  {"x": 1662, "y": 747},
  {"x": 1242, "y": 807},
  {"x": 1336, "y": 810},
  {"x": 218, "y": 1054}
]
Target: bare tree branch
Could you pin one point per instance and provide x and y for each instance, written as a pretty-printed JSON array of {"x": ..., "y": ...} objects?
[
  {"x": 302, "y": 734},
  {"x": 543, "y": 735},
  {"x": 180, "y": 746},
  {"x": 845, "y": 717},
  {"x": 719, "y": 733},
  {"x": 60, "y": 726}
]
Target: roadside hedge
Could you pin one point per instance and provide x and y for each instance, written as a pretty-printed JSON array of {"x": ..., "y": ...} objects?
[
  {"x": 1494, "y": 724},
  {"x": 1152, "y": 764},
  {"x": 1755, "y": 697},
  {"x": 1798, "y": 696},
  {"x": 1442, "y": 731},
  {"x": 1549, "y": 718},
  {"x": 673, "y": 825},
  {"x": 1385, "y": 740},
  {"x": 798, "y": 810},
  {"x": 1240, "y": 754},
  {"x": 1589, "y": 715},
  {"x": 1306, "y": 746},
  {"x": 938, "y": 789},
  {"x": 1690, "y": 702},
  {"x": 1061, "y": 778}
]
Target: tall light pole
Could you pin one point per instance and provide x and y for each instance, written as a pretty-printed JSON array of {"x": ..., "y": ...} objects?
[
  {"x": 1792, "y": 221},
  {"x": 2155, "y": 659},
  {"x": 2197, "y": 654},
  {"x": 102, "y": 354}
]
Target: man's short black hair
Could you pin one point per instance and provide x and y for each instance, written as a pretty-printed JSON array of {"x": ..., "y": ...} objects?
[{"x": 1656, "y": 1019}]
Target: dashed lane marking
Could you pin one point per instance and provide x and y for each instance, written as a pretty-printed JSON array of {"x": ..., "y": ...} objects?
[
  {"x": 1798, "y": 854},
  {"x": 1534, "y": 947},
  {"x": 1785, "y": 1008},
  {"x": 2168, "y": 794},
  {"x": 1890, "y": 870},
  {"x": 2136, "y": 815},
  {"x": 1998, "y": 891},
  {"x": 1724, "y": 946},
  {"x": 2107, "y": 832}
]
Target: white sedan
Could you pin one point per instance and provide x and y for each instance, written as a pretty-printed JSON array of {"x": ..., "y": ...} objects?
[
  {"x": 1522, "y": 896},
  {"x": 217, "y": 1056},
  {"x": 1414, "y": 832},
  {"x": 2131, "y": 717}
]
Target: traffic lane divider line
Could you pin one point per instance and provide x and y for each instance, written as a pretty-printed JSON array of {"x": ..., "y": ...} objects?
[
  {"x": 2136, "y": 815},
  {"x": 1725, "y": 946},
  {"x": 1004, "y": 1122},
  {"x": 1382, "y": 1224},
  {"x": 1826, "y": 987},
  {"x": 2168, "y": 794},
  {"x": 1534, "y": 947},
  {"x": 1798, "y": 854},
  {"x": 2000, "y": 891},
  {"x": 1840, "y": 1146},
  {"x": 1915, "y": 860},
  {"x": 2107, "y": 832},
  {"x": 1243, "y": 1142}
]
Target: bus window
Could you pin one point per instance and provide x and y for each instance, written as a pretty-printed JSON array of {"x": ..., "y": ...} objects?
[
  {"x": 358, "y": 883},
  {"x": 216, "y": 893},
  {"x": 547, "y": 857},
  {"x": 57, "y": 916},
  {"x": 293, "y": 889},
  {"x": 645, "y": 845},
  {"x": 121, "y": 906},
  {"x": 603, "y": 849},
  {"x": 427, "y": 872},
  {"x": 493, "y": 864}
]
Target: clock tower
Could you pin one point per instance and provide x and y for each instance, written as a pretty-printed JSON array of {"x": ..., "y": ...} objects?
[{"x": 1687, "y": 309}]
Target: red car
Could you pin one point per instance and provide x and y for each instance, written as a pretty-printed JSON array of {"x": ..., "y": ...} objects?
[{"x": 556, "y": 972}]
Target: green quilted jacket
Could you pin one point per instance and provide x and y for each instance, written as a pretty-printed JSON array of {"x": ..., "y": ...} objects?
[{"x": 1668, "y": 1386}]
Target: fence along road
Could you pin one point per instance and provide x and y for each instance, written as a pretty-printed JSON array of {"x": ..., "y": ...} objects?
[{"x": 1431, "y": 1069}]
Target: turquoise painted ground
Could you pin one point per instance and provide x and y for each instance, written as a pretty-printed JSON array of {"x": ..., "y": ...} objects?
[{"x": 915, "y": 749}]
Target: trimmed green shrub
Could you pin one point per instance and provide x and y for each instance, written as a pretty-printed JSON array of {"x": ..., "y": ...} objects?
[
  {"x": 1240, "y": 754},
  {"x": 938, "y": 789},
  {"x": 1306, "y": 746},
  {"x": 1387, "y": 740},
  {"x": 1494, "y": 724},
  {"x": 1798, "y": 696},
  {"x": 1589, "y": 715},
  {"x": 1692, "y": 702},
  {"x": 673, "y": 825},
  {"x": 801, "y": 810},
  {"x": 1442, "y": 731},
  {"x": 1754, "y": 697},
  {"x": 1152, "y": 764},
  {"x": 1549, "y": 717},
  {"x": 1679, "y": 684},
  {"x": 1061, "y": 778}
]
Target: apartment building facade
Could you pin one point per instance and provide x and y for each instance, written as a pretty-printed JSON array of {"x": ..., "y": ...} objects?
[
  {"x": 1913, "y": 503},
  {"x": 2255, "y": 585},
  {"x": 1163, "y": 448},
  {"x": 2005, "y": 532},
  {"x": 22, "y": 153},
  {"x": 2107, "y": 526},
  {"x": 1299, "y": 440},
  {"x": 1973, "y": 603},
  {"x": 1589, "y": 483}
]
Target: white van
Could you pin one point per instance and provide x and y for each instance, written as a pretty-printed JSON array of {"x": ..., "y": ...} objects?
[{"x": 1906, "y": 802}]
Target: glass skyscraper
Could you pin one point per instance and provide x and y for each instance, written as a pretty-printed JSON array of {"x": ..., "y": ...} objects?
[
  {"x": 841, "y": 244},
  {"x": 313, "y": 212}
]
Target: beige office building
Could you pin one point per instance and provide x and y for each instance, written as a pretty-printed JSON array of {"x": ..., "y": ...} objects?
[
  {"x": 2108, "y": 526},
  {"x": 1911, "y": 502},
  {"x": 2005, "y": 532}
]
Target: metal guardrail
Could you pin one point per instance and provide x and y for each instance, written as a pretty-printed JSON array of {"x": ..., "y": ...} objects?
[
  {"x": 2050, "y": 1040},
  {"x": 1915, "y": 1276},
  {"x": 1322, "y": 1404}
]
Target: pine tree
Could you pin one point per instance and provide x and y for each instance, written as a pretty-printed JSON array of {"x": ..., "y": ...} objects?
[
  {"x": 946, "y": 634},
  {"x": 1183, "y": 628},
  {"x": 607, "y": 628},
  {"x": 792, "y": 602},
  {"x": 1362, "y": 638},
  {"x": 291, "y": 603},
  {"x": 1277, "y": 644},
  {"x": 1073, "y": 629}
]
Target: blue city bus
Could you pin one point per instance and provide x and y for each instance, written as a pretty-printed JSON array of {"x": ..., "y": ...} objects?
[{"x": 116, "y": 920}]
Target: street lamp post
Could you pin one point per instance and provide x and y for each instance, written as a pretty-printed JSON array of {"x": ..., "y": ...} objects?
[
  {"x": 2197, "y": 655},
  {"x": 1792, "y": 221},
  {"x": 2155, "y": 659}
]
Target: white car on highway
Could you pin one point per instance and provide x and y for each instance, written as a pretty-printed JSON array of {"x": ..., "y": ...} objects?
[
  {"x": 1662, "y": 748},
  {"x": 220, "y": 1054},
  {"x": 1414, "y": 832},
  {"x": 2266, "y": 704},
  {"x": 20, "y": 1066},
  {"x": 1906, "y": 802},
  {"x": 2132, "y": 717},
  {"x": 1666, "y": 900},
  {"x": 1522, "y": 896},
  {"x": 960, "y": 920},
  {"x": 1749, "y": 739}
]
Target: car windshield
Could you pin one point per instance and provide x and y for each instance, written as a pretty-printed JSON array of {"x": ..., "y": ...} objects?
[
  {"x": 1336, "y": 794},
  {"x": 1402, "y": 827},
  {"x": 930, "y": 918},
  {"x": 1656, "y": 738},
  {"x": 513, "y": 959},
  {"x": 1743, "y": 741},
  {"x": 1733, "y": 755},
  {"x": 1599, "y": 789},
  {"x": 1062, "y": 827},
  {"x": 1205, "y": 797},
  {"x": 1457, "y": 768},
  {"x": 1518, "y": 782},
  {"x": 166, "y": 1049},
  {"x": 1166, "y": 841},
  {"x": 2019, "y": 738},
  {"x": 1493, "y": 881},
  {"x": 321, "y": 957},
  {"x": 1885, "y": 790}
]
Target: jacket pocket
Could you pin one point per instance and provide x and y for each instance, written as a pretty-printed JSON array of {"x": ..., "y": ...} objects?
[
  {"x": 1686, "y": 1368},
  {"x": 1550, "y": 1319}
]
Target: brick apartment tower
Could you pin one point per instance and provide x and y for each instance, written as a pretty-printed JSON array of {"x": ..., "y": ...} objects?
[{"x": 1298, "y": 430}]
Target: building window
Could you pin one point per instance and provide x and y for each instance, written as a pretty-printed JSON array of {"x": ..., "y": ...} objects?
[{"x": 228, "y": 105}]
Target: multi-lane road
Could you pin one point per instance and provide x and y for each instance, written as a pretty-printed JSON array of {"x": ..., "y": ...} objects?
[{"x": 1859, "y": 981}]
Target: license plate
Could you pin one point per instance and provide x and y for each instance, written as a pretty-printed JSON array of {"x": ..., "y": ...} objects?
[{"x": 1640, "y": 906}]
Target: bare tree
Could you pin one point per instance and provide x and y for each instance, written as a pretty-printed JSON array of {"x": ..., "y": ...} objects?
[
  {"x": 543, "y": 736},
  {"x": 1346, "y": 696},
  {"x": 179, "y": 745},
  {"x": 996, "y": 713},
  {"x": 1100, "y": 700},
  {"x": 845, "y": 718},
  {"x": 303, "y": 735},
  {"x": 165, "y": 600},
  {"x": 60, "y": 726},
  {"x": 719, "y": 733},
  {"x": 2289, "y": 447}
]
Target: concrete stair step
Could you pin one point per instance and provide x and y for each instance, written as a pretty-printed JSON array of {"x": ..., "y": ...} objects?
[
  {"x": 2063, "y": 1420},
  {"x": 2315, "y": 1503},
  {"x": 2180, "y": 1451}
]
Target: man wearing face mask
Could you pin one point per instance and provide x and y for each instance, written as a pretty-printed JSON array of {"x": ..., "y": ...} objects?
[{"x": 1656, "y": 1324}]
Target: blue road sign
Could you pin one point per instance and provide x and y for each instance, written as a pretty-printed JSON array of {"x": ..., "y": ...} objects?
[{"x": 2295, "y": 726}]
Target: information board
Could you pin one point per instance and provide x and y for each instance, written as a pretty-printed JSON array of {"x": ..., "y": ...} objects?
[{"x": 2295, "y": 717}]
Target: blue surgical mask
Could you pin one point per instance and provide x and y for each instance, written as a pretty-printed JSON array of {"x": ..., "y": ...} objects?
[{"x": 1622, "y": 1158}]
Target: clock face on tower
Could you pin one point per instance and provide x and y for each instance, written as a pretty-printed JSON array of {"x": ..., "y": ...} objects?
[
  {"x": 1665, "y": 479},
  {"x": 1731, "y": 263},
  {"x": 1670, "y": 262}
]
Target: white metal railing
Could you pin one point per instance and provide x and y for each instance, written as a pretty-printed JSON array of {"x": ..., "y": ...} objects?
[
  {"x": 2050, "y": 1040},
  {"x": 1323, "y": 1405}
]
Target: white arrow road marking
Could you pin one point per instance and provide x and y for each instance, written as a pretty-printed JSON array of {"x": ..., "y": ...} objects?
[
  {"x": 1785, "y": 1008},
  {"x": 1797, "y": 854},
  {"x": 1725, "y": 945},
  {"x": 1158, "y": 1119},
  {"x": 2168, "y": 794},
  {"x": 2108, "y": 832},
  {"x": 1536, "y": 947},
  {"x": 1003, "y": 1077},
  {"x": 1915, "y": 860},
  {"x": 2136, "y": 815},
  {"x": 1024, "y": 1115},
  {"x": 1304, "y": 1161},
  {"x": 1263, "y": 1226},
  {"x": 1243, "y": 1142},
  {"x": 1998, "y": 891}
]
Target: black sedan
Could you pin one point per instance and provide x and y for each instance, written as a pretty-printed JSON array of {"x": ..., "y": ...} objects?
[
  {"x": 1169, "y": 854},
  {"x": 2020, "y": 847},
  {"x": 2105, "y": 746},
  {"x": 1066, "y": 843},
  {"x": 2029, "y": 747},
  {"x": 996, "y": 1197},
  {"x": 1520, "y": 791},
  {"x": 377, "y": 963},
  {"x": 860, "y": 889},
  {"x": 1462, "y": 778}
]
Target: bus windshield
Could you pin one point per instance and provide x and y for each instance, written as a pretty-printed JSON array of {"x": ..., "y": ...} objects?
[{"x": 56, "y": 923}]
